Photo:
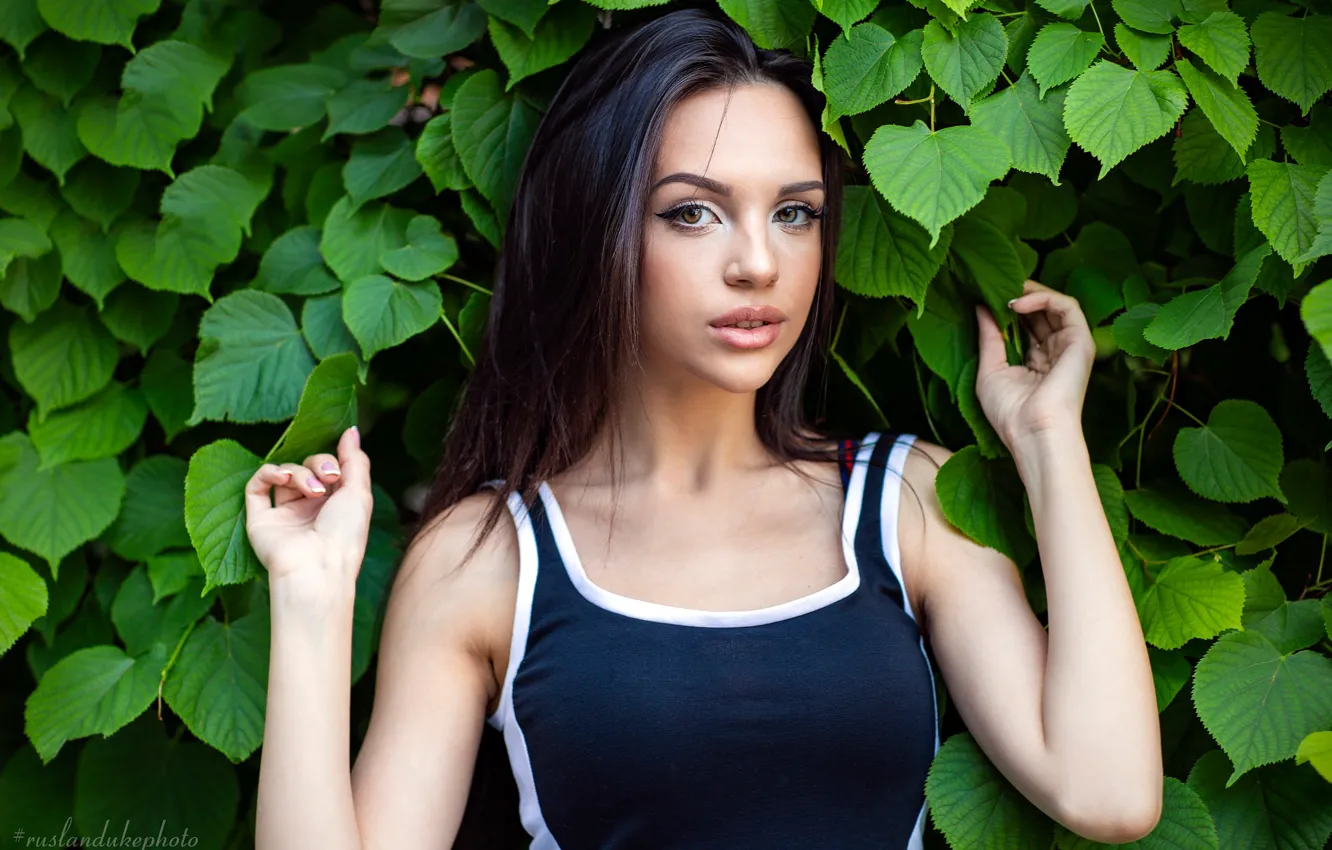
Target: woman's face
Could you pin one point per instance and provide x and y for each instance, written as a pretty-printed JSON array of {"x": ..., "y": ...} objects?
[{"x": 729, "y": 225}]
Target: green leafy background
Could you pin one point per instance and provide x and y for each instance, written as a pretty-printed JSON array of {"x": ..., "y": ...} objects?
[{"x": 231, "y": 229}]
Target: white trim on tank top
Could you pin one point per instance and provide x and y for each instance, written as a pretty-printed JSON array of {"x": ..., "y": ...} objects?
[{"x": 640, "y": 609}]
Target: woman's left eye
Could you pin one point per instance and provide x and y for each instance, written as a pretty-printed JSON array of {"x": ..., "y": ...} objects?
[{"x": 673, "y": 216}]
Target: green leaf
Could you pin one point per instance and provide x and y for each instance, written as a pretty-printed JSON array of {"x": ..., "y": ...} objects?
[
  {"x": 141, "y": 624},
  {"x": 772, "y": 24},
  {"x": 1190, "y": 598},
  {"x": 353, "y": 241},
  {"x": 21, "y": 238},
  {"x": 213, "y": 194},
  {"x": 1178, "y": 513},
  {"x": 934, "y": 177},
  {"x": 220, "y": 684},
  {"x": 447, "y": 29},
  {"x": 102, "y": 21},
  {"x": 1282, "y": 198},
  {"x": 428, "y": 251},
  {"x": 62, "y": 357},
  {"x": 988, "y": 258},
  {"x": 167, "y": 385},
  {"x": 52, "y": 512},
  {"x": 382, "y": 313},
  {"x": 252, "y": 362},
  {"x": 139, "y": 131},
  {"x": 1221, "y": 41},
  {"x": 292, "y": 265},
  {"x": 1322, "y": 211},
  {"x": 327, "y": 408},
  {"x": 176, "y": 70},
  {"x": 1291, "y": 55},
  {"x": 492, "y": 132},
  {"x": 89, "y": 692},
  {"x": 881, "y": 252},
  {"x": 559, "y": 35},
  {"x": 286, "y": 97},
  {"x": 50, "y": 134},
  {"x": 1068, "y": 9},
  {"x": 1147, "y": 51},
  {"x": 23, "y": 599},
  {"x": 1226, "y": 107},
  {"x": 1148, "y": 15},
  {"x": 60, "y": 67},
  {"x": 102, "y": 426},
  {"x": 139, "y": 776},
  {"x": 439, "y": 158},
  {"x": 1030, "y": 125},
  {"x": 1207, "y": 313},
  {"x": 380, "y": 164},
  {"x": 1111, "y": 111},
  {"x": 964, "y": 63},
  {"x": 364, "y": 106},
  {"x": 153, "y": 518},
  {"x": 20, "y": 23},
  {"x": 29, "y": 287},
  {"x": 1258, "y": 702},
  {"x": 982, "y": 499},
  {"x": 327, "y": 334},
  {"x": 215, "y": 512},
  {"x": 845, "y": 12},
  {"x": 869, "y": 66},
  {"x": 1280, "y": 805},
  {"x": 1060, "y": 52},
  {"x": 972, "y": 802},
  {"x": 1311, "y": 145},
  {"x": 1203, "y": 157},
  {"x": 139, "y": 316},
  {"x": 100, "y": 192},
  {"x": 170, "y": 572},
  {"x": 1235, "y": 457}
]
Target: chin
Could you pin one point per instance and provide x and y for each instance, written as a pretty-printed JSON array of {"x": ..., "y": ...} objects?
[{"x": 736, "y": 377}]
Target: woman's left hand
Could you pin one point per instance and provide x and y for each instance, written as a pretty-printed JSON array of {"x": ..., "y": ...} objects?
[{"x": 1048, "y": 390}]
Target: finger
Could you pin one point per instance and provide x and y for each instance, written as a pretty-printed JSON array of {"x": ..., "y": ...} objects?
[
  {"x": 304, "y": 480},
  {"x": 992, "y": 356},
  {"x": 1060, "y": 310},
  {"x": 258, "y": 488},
  {"x": 325, "y": 467},
  {"x": 353, "y": 460}
]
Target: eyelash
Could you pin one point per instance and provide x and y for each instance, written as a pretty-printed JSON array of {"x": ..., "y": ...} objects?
[{"x": 669, "y": 215}]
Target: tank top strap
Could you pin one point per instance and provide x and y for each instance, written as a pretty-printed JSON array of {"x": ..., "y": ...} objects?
[{"x": 876, "y": 543}]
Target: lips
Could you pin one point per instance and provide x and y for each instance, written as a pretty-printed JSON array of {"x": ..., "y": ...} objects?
[{"x": 759, "y": 313}]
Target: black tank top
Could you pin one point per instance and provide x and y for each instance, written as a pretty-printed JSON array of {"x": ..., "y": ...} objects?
[{"x": 812, "y": 723}]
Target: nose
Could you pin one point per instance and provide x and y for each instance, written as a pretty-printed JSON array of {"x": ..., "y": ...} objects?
[{"x": 755, "y": 262}]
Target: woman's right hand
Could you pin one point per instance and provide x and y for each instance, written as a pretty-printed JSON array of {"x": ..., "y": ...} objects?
[{"x": 316, "y": 526}]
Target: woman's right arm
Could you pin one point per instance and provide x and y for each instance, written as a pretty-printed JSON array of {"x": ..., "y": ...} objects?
[{"x": 434, "y": 681}]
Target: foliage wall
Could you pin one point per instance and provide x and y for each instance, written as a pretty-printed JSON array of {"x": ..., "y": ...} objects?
[{"x": 231, "y": 229}]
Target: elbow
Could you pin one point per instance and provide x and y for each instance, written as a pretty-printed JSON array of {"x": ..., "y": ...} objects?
[{"x": 1115, "y": 820}]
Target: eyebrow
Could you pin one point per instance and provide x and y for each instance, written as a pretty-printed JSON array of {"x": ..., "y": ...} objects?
[{"x": 724, "y": 190}]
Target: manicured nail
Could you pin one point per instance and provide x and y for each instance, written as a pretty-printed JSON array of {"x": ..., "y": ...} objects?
[
  {"x": 1010, "y": 302},
  {"x": 328, "y": 468},
  {"x": 315, "y": 485},
  {"x": 356, "y": 436}
]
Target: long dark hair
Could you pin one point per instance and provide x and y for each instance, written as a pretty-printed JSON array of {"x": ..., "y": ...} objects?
[{"x": 564, "y": 314}]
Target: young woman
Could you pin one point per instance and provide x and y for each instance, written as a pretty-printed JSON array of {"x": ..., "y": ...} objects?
[{"x": 706, "y": 625}]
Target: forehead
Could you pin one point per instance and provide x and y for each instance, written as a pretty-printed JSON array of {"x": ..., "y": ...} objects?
[{"x": 762, "y": 135}]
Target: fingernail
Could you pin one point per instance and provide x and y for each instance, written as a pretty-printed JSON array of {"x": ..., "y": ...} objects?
[
  {"x": 1010, "y": 302},
  {"x": 315, "y": 485},
  {"x": 327, "y": 467},
  {"x": 356, "y": 436}
]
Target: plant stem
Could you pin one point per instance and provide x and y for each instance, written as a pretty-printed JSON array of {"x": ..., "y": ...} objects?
[
  {"x": 467, "y": 283},
  {"x": 470, "y": 359}
]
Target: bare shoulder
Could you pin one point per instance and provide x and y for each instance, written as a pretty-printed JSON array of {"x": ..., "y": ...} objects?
[
  {"x": 469, "y": 608},
  {"x": 920, "y": 521}
]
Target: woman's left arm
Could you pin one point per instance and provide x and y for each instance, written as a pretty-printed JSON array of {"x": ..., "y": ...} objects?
[{"x": 1100, "y": 755}]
